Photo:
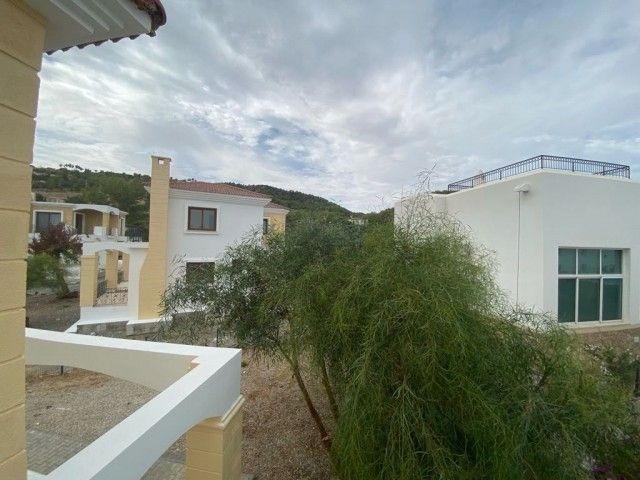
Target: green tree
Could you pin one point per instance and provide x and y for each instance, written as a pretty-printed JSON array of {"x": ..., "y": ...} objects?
[{"x": 430, "y": 373}]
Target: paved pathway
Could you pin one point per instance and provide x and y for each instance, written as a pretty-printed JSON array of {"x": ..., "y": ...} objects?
[{"x": 46, "y": 451}]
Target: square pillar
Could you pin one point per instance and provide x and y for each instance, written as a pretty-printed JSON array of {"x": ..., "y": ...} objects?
[
  {"x": 106, "y": 230},
  {"x": 125, "y": 267},
  {"x": 22, "y": 33},
  {"x": 88, "y": 280},
  {"x": 111, "y": 269},
  {"x": 214, "y": 447}
]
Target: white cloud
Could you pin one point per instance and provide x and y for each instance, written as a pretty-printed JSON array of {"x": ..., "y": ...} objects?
[{"x": 350, "y": 100}]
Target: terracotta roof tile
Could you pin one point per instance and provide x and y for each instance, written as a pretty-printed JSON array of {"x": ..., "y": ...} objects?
[
  {"x": 221, "y": 188},
  {"x": 276, "y": 205}
]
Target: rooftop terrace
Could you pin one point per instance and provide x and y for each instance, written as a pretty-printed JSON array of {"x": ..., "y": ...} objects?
[{"x": 540, "y": 162}]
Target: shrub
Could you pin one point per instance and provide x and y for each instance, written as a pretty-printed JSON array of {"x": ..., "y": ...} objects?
[{"x": 46, "y": 271}]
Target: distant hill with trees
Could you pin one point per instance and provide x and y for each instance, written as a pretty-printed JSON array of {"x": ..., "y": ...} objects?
[{"x": 126, "y": 191}]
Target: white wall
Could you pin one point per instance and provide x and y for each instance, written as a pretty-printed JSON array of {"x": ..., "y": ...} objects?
[
  {"x": 237, "y": 218},
  {"x": 592, "y": 211},
  {"x": 560, "y": 209}
]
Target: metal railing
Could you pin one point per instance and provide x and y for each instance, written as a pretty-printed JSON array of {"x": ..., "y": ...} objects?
[{"x": 540, "y": 162}]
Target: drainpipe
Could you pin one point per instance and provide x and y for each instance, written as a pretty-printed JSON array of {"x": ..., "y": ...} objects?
[{"x": 520, "y": 189}]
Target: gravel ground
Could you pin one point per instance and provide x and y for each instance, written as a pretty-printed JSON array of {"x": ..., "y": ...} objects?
[{"x": 280, "y": 439}]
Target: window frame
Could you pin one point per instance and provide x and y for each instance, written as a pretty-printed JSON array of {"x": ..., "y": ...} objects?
[
  {"x": 202, "y": 230},
  {"x": 266, "y": 225},
  {"x": 49, "y": 212},
  {"x": 599, "y": 276}
]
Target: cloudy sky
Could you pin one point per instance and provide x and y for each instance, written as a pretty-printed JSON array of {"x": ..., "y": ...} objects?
[{"x": 350, "y": 100}]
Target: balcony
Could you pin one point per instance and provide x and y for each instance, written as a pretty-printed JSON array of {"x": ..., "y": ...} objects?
[
  {"x": 567, "y": 164},
  {"x": 199, "y": 394}
]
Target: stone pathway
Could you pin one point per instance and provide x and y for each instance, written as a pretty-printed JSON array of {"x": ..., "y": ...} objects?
[{"x": 46, "y": 451}]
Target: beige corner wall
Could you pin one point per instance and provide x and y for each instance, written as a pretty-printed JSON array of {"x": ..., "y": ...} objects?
[
  {"x": 277, "y": 221},
  {"x": 21, "y": 43},
  {"x": 153, "y": 275}
]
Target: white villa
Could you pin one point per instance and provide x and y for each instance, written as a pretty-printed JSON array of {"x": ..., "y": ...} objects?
[
  {"x": 191, "y": 223},
  {"x": 565, "y": 233}
]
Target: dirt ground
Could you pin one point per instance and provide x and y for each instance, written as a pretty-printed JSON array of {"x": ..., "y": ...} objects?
[
  {"x": 50, "y": 313},
  {"x": 280, "y": 441}
]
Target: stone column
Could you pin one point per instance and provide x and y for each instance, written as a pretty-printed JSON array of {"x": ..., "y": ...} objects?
[
  {"x": 88, "y": 280},
  {"x": 111, "y": 269},
  {"x": 214, "y": 447},
  {"x": 22, "y": 34}
]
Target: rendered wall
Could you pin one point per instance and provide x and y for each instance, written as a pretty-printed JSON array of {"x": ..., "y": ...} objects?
[
  {"x": 592, "y": 211},
  {"x": 490, "y": 213},
  {"x": 559, "y": 210},
  {"x": 21, "y": 43},
  {"x": 277, "y": 221},
  {"x": 235, "y": 222}
]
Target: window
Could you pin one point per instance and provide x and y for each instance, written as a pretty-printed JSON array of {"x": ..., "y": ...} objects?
[
  {"x": 203, "y": 219},
  {"x": 44, "y": 219},
  {"x": 265, "y": 226},
  {"x": 198, "y": 270},
  {"x": 590, "y": 283}
]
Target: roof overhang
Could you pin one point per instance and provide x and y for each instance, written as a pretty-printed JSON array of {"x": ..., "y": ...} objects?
[{"x": 80, "y": 23}]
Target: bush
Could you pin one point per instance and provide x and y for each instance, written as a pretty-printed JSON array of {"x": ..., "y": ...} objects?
[
  {"x": 438, "y": 378},
  {"x": 45, "y": 271}
]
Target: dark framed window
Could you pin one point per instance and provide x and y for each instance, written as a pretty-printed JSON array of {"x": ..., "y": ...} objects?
[
  {"x": 44, "y": 219},
  {"x": 590, "y": 285},
  {"x": 265, "y": 226},
  {"x": 203, "y": 219},
  {"x": 198, "y": 270}
]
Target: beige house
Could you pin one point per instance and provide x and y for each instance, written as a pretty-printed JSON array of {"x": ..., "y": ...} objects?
[
  {"x": 185, "y": 376},
  {"x": 90, "y": 221}
]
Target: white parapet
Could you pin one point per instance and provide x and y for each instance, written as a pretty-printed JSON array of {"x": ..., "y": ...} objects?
[{"x": 187, "y": 396}]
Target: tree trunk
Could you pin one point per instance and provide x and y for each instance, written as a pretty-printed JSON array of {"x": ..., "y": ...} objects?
[
  {"x": 326, "y": 439},
  {"x": 328, "y": 389}
]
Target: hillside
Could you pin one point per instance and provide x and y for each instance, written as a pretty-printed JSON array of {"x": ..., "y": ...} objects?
[{"x": 126, "y": 192}]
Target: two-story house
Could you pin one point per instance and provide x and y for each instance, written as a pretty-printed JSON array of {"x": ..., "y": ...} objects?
[{"x": 191, "y": 224}]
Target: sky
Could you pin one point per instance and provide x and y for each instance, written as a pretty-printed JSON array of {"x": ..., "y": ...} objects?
[{"x": 350, "y": 100}]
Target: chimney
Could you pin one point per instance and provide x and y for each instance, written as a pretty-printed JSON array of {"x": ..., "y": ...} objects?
[{"x": 153, "y": 275}]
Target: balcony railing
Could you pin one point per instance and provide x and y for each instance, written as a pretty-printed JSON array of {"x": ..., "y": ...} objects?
[
  {"x": 540, "y": 162},
  {"x": 195, "y": 383}
]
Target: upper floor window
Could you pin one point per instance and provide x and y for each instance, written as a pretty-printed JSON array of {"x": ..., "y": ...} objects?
[
  {"x": 203, "y": 219},
  {"x": 590, "y": 284},
  {"x": 265, "y": 226},
  {"x": 44, "y": 219}
]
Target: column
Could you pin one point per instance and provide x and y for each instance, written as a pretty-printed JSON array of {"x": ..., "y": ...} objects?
[
  {"x": 125, "y": 267},
  {"x": 88, "y": 280},
  {"x": 21, "y": 42},
  {"x": 111, "y": 269},
  {"x": 214, "y": 447}
]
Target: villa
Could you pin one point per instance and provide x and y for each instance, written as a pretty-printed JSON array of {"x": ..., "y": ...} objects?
[
  {"x": 565, "y": 233},
  {"x": 191, "y": 224},
  {"x": 90, "y": 222}
]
